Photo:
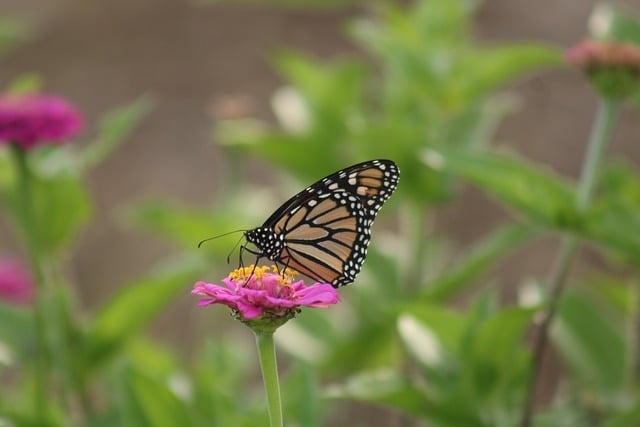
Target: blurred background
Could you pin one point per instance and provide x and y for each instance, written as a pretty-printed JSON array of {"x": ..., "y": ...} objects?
[
  {"x": 191, "y": 57},
  {"x": 188, "y": 54}
]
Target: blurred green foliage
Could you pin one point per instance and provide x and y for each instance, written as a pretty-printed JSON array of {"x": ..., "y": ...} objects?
[
  {"x": 429, "y": 97},
  {"x": 12, "y": 32}
]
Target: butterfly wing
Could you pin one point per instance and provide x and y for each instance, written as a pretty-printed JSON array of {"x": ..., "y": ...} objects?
[{"x": 326, "y": 227}]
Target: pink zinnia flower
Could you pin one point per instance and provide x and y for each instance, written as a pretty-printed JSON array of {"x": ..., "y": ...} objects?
[
  {"x": 592, "y": 54},
  {"x": 613, "y": 67},
  {"x": 270, "y": 297},
  {"x": 16, "y": 285},
  {"x": 32, "y": 119}
]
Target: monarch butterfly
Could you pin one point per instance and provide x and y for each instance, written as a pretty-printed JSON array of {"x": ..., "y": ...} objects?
[{"x": 323, "y": 231}]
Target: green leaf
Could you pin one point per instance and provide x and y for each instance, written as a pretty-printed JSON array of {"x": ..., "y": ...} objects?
[
  {"x": 62, "y": 206},
  {"x": 615, "y": 226},
  {"x": 425, "y": 346},
  {"x": 366, "y": 346},
  {"x": 614, "y": 24},
  {"x": 592, "y": 347},
  {"x": 383, "y": 388},
  {"x": 147, "y": 402},
  {"x": 59, "y": 200},
  {"x": 225, "y": 370},
  {"x": 448, "y": 325},
  {"x": 301, "y": 399},
  {"x": 16, "y": 329},
  {"x": 135, "y": 305},
  {"x": 625, "y": 418},
  {"x": 472, "y": 264},
  {"x": 497, "y": 355},
  {"x": 331, "y": 91},
  {"x": 613, "y": 219},
  {"x": 329, "y": 98},
  {"x": 26, "y": 83},
  {"x": 186, "y": 227},
  {"x": 538, "y": 194},
  {"x": 397, "y": 392},
  {"x": 12, "y": 32},
  {"x": 566, "y": 416},
  {"x": 474, "y": 363},
  {"x": 115, "y": 127},
  {"x": 483, "y": 71}
]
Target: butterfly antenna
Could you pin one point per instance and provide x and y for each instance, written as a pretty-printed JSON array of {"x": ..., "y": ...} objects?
[
  {"x": 219, "y": 235},
  {"x": 234, "y": 249}
]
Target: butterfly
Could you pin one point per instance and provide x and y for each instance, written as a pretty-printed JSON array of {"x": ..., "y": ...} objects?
[{"x": 323, "y": 231}]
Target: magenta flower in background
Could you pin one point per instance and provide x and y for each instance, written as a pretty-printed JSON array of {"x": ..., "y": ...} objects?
[
  {"x": 33, "y": 119},
  {"x": 591, "y": 54},
  {"x": 16, "y": 285},
  {"x": 613, "y": 67},
  {"x": 265, "y": 294}
]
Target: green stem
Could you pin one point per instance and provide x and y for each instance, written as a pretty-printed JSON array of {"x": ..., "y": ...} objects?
[
  {"x": 269, "y": 368},
  {"x": 68, "y": 365},
  {"x": 632, "y": 335},
  {"x": 598, "y": 140},
  {"x": 50, "y": 319},
  {"x": 590, "y": 168},
  {"x": 24, "y": 196},
  {"x": 72, "y": 381}
]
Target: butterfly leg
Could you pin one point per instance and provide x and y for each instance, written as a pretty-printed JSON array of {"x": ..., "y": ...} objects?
[
  {"x": 255, "y": 264},
  {"x": 286, "y": 265}
]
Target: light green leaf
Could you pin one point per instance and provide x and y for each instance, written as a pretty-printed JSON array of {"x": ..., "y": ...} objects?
[
  {"x": 592, "y": 347},
  {"x": 59, "y": 200},
  {"x": 12, "y": 31},
  {"x": 115, "y": 127},
  {"x": 472, "y": 264},
  {"x": 225, "y": 370},
  {"x": 62, "y": 206},
  {"x": 565, "y": 416},
  {"x": 497, "y": 353},
  {"x": 448, "y": 325},
  {"x": 147, "y": 402},
  {"x": 625, "y": 418},
  {"x": 135, "y": 305},
  {"x": 534, "y": 192},
  {"x": 16, "y": 331},
  {"x": 613, "y": 218},
  {"x": 26, "y": 83},
  {"x": 483, "y": 71},
  {"x": 185, "y": 226},
  {"x": 301, "y": 398},
  {"x": 384, "y": 388}
]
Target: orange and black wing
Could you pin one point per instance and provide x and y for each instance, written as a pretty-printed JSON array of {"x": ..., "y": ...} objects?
[{"x": 326, "y": 227}]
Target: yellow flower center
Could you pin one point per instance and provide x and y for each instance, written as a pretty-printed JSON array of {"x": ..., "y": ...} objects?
[{"x": 243, "y": 273}]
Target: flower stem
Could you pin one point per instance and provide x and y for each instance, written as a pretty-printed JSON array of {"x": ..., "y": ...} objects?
[
  {"x": 590, "y": 168},
  {"x": 25, "y": 206},
  {"x": 269, "y": 368},
  {"x": 632, "y": 335}
]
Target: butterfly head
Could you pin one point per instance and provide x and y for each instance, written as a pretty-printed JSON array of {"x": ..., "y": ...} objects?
[{"x": 268, "y": 241}]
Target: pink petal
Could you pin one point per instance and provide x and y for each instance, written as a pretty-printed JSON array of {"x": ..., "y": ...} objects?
[
  {"x": 249, "y": 311},
  {"x": 317, "y": 295}
]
